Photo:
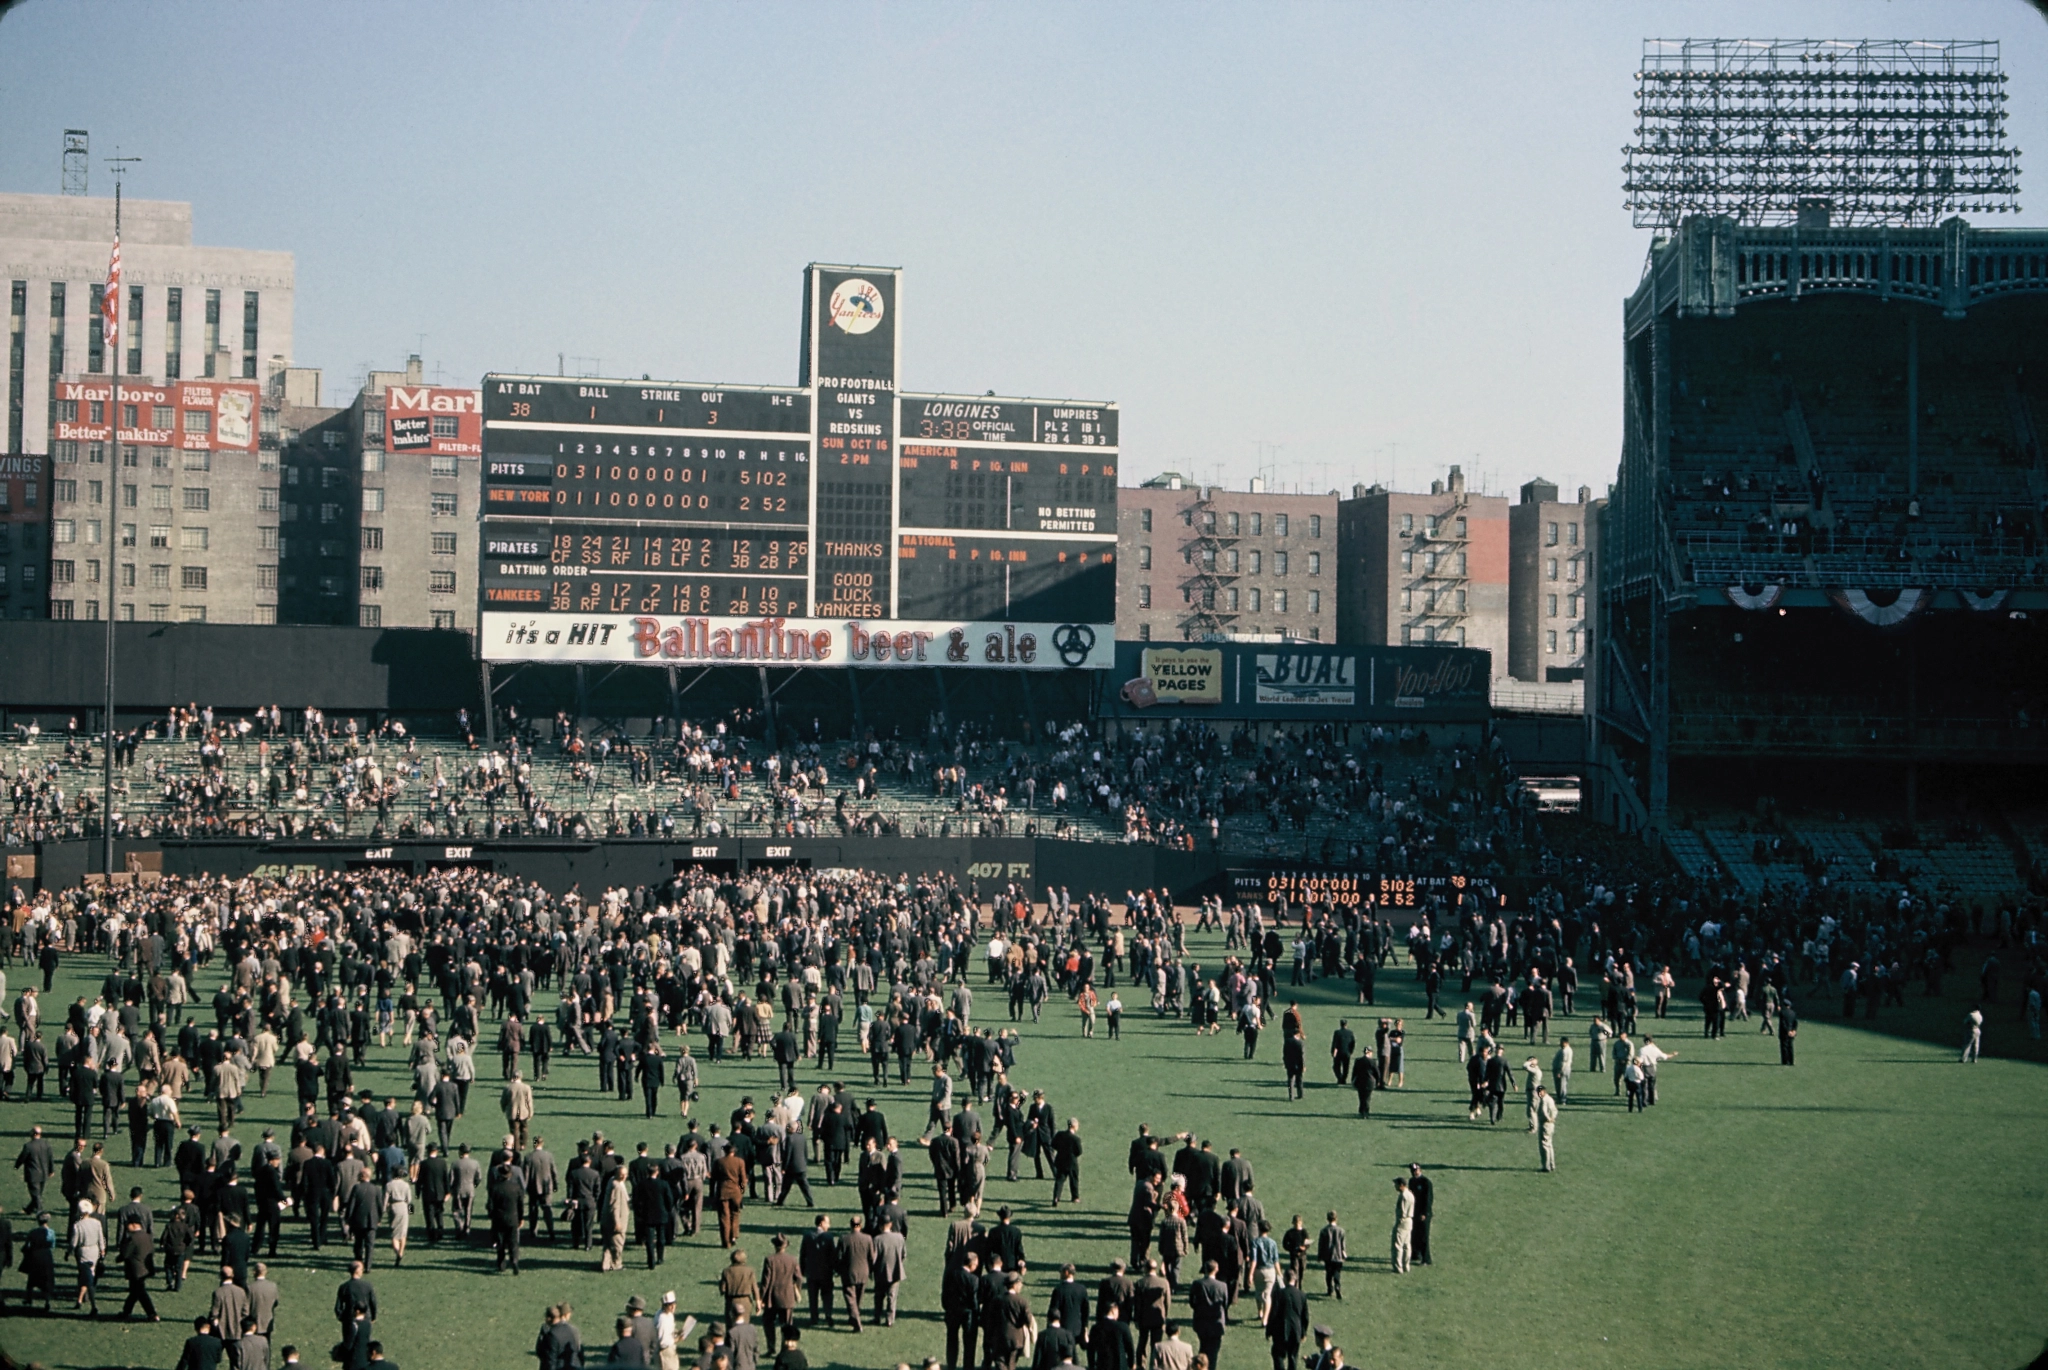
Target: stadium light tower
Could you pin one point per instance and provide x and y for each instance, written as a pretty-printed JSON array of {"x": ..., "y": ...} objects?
[{"x": 1890, "y": 132}]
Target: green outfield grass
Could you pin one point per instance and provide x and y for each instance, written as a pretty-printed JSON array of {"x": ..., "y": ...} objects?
[{"x": 1877, "y": 1205}]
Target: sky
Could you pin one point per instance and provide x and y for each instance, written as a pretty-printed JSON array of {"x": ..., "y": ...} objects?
[{"x": 1323, "y": 243}]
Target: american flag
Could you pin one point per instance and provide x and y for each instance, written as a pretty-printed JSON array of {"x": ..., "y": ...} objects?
[{"x": 110, "y": 303}]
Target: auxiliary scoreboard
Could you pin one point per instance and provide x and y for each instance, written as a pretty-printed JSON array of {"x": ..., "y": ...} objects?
[{"x": 838, "y": 521}]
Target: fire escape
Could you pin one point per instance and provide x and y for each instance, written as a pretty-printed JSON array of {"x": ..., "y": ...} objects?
[
  {"x": 1435, "y": 592},
  {"x": 1211, "y": 559}
]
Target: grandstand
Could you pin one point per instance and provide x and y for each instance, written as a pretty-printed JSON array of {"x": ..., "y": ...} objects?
[{"x": 1824, "y": 569}]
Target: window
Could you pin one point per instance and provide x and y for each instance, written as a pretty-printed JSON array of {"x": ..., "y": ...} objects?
[
  {"x": 127, "y": 575},
  {"x": 1550, "y": 569},
  {"x": 373, "y": 539},
  {"x": 63, "y": 572},
  {"x": 373, "y": 500},
  {"x": 199, "y": 421},
  {"x": 1232, "y": 522},
  {"x": 134, "y": 334},
  {"x": 1408, "y": 600},
  {"x": 92, "y": 530},
  {"x": 1571, "y": 569},
  {"x": 442, "y": 503},
  {"x": 443, "y": 468},
  {"x": 330, "y": 476},
  {"x": 64, "y": 453},
  {"x": 96, "y": 453},
  {"x": 60, "y": 608},
  {"x": 1315, "y": 601},
  {"x": 1315, "y": 525},
  {"x": 373, "y": 423},
  {"x": 266, "y": 613},
  {"x": 1550, "y": 535},
  {"x": 212, "y": 341},
  {"x": 200, "y": 460},
  {"x": 1315, "y": 563},
  {"x": 1230, "y": 560},
  {"x": 1461, "y": 528},
  {"x": 63, "y": 530},
  {"x": 1457, "y": 563},
  {"x": 1279, "y": 525},
  {"x": 1572, "y": 610},
  {"x": 266, "y": 538},
  {"x": 1144, "y": 632},
  {"x": 64, "y": 491},
  {"x": 1459, "y": 599},
  {"x": 159, "y": 459},
  {"x": 192, "y": 577},
  {"x": 1144, "y": 596},
  {"x": 1550, "y": 640},
  {"x": 330, "y": 513},
  {"x": 57, "y": 331},
  {"x": 1407, "y": 524},
  {"x": 1257, "y": 558},
  {"x": 160, "y": 535},
  {"x": 266, "y": 577},
  {"x": 444, "y": 618},
  {"x": 159, "y": 577},
  {"x": 159, "y": 613},
  {"x": 1145, "y": 519},
  {"x": 198, "y": 497},
  {"x": 1550, "y": 606},
  {"x": 1280, "y": 601},
  {"x": 1208, "y": 558},
  {"x": 249, "y": 315},
  {"x": 1144, "y": 558},
  {"x": 291, "y": 475},
  {"x": 1258, "y": 524},
  {"x": 192, "y": 539},
  {"x": 1253, "y": 600},
  {"x": 174, "y": 335},
  {"x": 441, "y": 582},
  {"x": 1429, "y": 523},
  {"x": 95, "y": 492},
  {"x": 1187, "y": 518},
  {"x": 1571, "y": 534},
  {"x": 373, "y": 460},
  {"x": 1279, "y": 563},
  {"x": 336, "y": 548},
  {"x": 159, "y": 496},
  {"x": 443, "y": 544},
  {"x": 131, "y": 496},
  {"x": 266, "y": 499},
  {"x": 192, "y": 613},
  {"x": 1408, "y": 561},
  {"x": 373, "y": 577},
  {"x": 1230, "y": 599}
]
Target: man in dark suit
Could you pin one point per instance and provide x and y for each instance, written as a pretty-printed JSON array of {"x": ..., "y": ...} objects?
[
  {"x": 1425, "y": 1209},
  {"x": 319, "y": 1179},
  {"x": 1068, "y": 1304},
  {"x": 1109, "y": 1343},
  {"x": 356, "y": 1298},
  {"x": 1066, "y": 1162},
  {"x": 437, "y": 1181},
  {"x": 1209, "y": 1299},
  {"x": 1013, "y": 1325},
  {"x": 1287, "y": 1321},
  {"x": 360, "y": 1210},
  {"x": 505, "y": 1203},
  {"x": 1343, "y": 1046},
  {"x": 959, "y": 1297},
  {"x": 202, "y": 1349},
  {"x": 818, "y": 1257},
  {"x": 1788, "y": 1028}
]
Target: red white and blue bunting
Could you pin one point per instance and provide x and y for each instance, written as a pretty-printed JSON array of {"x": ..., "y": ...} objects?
[
  {"x": 1882, "y": 608},
  {"x": 1755, "y": 596}
]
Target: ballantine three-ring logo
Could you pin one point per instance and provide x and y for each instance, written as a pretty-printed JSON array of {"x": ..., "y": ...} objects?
[{"x": 1073, "y": 641}]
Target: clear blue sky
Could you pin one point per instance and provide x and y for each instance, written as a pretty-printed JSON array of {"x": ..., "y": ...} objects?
[{"x": 1317, "y": 238}]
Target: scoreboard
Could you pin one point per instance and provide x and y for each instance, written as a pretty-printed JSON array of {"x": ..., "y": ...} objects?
[{"x": 838, "y": 521}]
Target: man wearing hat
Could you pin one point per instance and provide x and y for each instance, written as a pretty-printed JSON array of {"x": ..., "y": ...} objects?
[
  {"x": 1326, "y": 1356},
  {"x": 639, "y": 1326},
  {"x": 668, "y": 1337},
  {"x": 1425, "y": 1212}
]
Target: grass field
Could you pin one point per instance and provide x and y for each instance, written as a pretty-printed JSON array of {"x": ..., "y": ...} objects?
[{"x": 1877, "y": 1205}]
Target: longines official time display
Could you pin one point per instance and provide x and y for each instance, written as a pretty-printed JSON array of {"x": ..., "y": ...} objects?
[{"x": 839, "y": 521}]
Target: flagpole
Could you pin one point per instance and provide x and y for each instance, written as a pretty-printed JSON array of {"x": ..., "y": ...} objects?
[{"x": 107, "y": 757}]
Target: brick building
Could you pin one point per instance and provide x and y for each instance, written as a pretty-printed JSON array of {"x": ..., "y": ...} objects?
[{"x": 1197, "y": 562}]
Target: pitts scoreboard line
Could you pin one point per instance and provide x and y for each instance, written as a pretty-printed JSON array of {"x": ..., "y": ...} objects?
[{"x": 837, "y": 499}]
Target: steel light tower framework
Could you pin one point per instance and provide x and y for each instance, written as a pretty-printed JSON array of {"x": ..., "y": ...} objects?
[{"x": 1889, "y": 132}]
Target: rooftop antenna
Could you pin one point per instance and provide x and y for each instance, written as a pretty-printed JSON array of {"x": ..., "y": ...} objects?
[
  {"x": 77, "y": 162},
  {"x": 118, "y": 165}
]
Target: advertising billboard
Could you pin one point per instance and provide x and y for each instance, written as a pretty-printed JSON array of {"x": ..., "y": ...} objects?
[
  {"x": 193, "y": 415},
  {"x": 1299, "y": 681},
  {"x": 437, "y": 420}
]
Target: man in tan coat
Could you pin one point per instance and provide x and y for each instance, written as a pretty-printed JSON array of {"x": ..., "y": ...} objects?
[
  {"x": 516, "y": 1099},
  {"x": 781, "y": 1286}
]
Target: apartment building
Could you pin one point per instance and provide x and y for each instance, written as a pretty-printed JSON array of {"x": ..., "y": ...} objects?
[
  {"x": 1199, "y": 562},
  {"x": 1424, "y": 568},
  {"x": 1550, "y": 584}
]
